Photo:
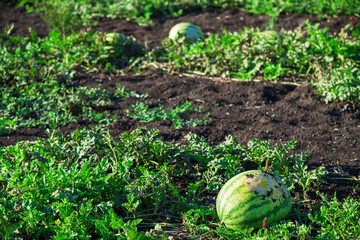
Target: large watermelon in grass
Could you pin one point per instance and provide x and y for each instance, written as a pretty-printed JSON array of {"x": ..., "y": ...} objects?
[{"x": 248, "y": 198}]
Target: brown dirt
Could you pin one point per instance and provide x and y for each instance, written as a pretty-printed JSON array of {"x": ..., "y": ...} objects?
[
  {"x": 274, "y": 112},
  {"x": 22, "y": 21}
]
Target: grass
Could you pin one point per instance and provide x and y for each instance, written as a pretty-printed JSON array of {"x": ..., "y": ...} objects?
[{"x": 89, "y": 184}]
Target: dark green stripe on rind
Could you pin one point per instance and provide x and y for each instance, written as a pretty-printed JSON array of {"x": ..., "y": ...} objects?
[
  {"x": 225, "y": 211},
  {"x": 234, "y": 221}
]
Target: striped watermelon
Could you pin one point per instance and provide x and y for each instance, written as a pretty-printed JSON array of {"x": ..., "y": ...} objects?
[
  {"x": 191, "y": 32},
  {"x": 246, "y": 199}
]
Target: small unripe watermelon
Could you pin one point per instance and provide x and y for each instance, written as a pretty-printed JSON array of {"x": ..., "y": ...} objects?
[
  {"x": 246, "y": 199},
  {"x": 115, "y": 38},
  {"x": 191, "y": 32}
]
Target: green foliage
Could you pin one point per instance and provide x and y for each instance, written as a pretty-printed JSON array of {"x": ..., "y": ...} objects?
[
  {"x": 144, "y": 113},
  {"x": 70, "y": 15},
  {"x": 248, "y": 54},
  {"x": 36, "y": 77},
  {"x": 111, "y": 223},
  {"x": 331, "y": 62},
  {"x": 199, "y": 219},
  {"x": 123, "y": 93},
  {"x": 49, "y": 104},
  {"x": 305, "y": 178},
  {"x": 90, "y": 185},
  {"x": 69, "y": 188},
  {"x": 56, "y": 56},
  {"x": 337, "y": 219},
  {"x": 340, "y": 83},
  {"x": 65, "y": 16},
  {"x": 260, "y": 151}
]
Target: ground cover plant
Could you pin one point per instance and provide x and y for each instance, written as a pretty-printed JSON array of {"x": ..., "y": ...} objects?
[
  {"x": 78, "y": 186},
  {"x": 130, "y": 139},
  {"x": 143, "y": 11}
]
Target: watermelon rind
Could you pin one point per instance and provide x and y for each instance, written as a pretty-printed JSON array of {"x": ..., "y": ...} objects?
[{"x": 249, "y": 197}]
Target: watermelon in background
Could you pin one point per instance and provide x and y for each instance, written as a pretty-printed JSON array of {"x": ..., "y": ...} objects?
[{"x": 191, "y": 32}]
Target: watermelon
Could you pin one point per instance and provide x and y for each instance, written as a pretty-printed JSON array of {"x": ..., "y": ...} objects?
[
  {"x": 191, "y": 32},
  {"x": 249, "y": 197},
  {"x": 115, "y": 38}
]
